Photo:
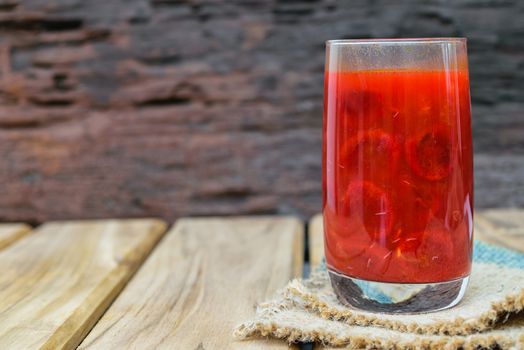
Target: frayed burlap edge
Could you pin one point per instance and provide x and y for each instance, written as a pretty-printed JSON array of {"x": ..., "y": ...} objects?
[
  {"x": 389, "y": 339},
  {"x": 498, "y": 311},
  {"x": 300, "y": 315},
  {"x": 295, "y": 335}
]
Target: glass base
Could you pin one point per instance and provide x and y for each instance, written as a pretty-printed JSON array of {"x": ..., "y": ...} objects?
[{"x": 397, "y": 298}]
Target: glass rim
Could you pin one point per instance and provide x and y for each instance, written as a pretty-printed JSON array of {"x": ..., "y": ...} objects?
[{"x": 441, "y": 40}]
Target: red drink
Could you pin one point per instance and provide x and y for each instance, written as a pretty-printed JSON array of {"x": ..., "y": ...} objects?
[
  {"x": 398, "y": 189},
  {"x": 400, "y": 207}
]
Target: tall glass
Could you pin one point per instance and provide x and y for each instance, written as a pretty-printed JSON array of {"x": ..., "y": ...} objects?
[{"x": 398, "y": 173}]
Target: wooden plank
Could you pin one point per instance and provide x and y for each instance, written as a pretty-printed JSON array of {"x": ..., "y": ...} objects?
[
  {"x": 56, "y": 283},
  {"x": 203, "y": 279},
  {"x": 316, "y": 240},
  {"x": 10, "y": 233},
  {"x": 501, "y": 226}
]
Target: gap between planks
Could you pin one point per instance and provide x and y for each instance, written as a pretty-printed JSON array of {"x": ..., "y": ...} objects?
[
  {"x": 204, "y": 278},
  {"x": 57, "y": 282}
]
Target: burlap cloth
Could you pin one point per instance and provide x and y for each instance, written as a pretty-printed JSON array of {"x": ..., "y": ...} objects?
[{"x": 491, "y": 314}]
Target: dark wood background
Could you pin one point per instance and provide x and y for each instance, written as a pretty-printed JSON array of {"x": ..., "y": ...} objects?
[{"x": 170, "y": 108}]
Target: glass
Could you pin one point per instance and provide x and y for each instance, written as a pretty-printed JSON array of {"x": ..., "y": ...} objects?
[{"x": 397, "y": 173}]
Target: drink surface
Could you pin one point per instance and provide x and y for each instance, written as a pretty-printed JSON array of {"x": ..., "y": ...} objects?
[{"x": 398, "y": 177}]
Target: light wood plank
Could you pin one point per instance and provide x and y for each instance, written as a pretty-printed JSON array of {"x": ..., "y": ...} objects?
[
  {"x": 203, "y": 279},
  {"x": 501, "y": 226},
  {"x": 56, "y": 283},
  {"x": 316, "y": 240},
  {"x": 10, "y": 233}
]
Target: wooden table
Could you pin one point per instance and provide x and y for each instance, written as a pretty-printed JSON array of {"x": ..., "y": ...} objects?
[{"x": 137, "y": 284}]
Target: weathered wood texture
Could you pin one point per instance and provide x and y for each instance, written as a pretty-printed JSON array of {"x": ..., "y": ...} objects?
[
  {"x": 10, "y": 233},
  {"x": 205, "y": 277},
  {"x": 316, "y": 240},
  {"x": 501, "y": 226},
  {"x": 499, "y": 180},
  {"x": 169, "y": 108},
  {"x": 57, "y": 282}
]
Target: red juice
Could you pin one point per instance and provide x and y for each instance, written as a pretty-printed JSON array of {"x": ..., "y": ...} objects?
[{"x": 398, "y": 187}]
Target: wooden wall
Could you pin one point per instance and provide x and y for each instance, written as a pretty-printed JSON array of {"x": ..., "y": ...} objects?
[{"x": 170, "y": 108}]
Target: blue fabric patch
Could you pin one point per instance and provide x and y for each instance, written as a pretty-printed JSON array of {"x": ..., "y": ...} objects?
[
  {"x": 490, "y": 253},
  {"x": 373, "y": 293}
]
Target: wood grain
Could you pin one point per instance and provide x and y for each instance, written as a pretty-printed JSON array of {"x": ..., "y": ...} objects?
[
  {"x": 501, "y": 226},
  {"x": 316, "y": 240},
  {"x": 10, "y": 233},
  {"x": 203, "y": 279},
  {"x": 56, "y": 283},
  {"x": 108, "y": 106}
]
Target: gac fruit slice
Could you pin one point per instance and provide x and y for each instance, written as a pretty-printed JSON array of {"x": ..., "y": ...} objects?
[
  {"x": 369, "y": 208},
  {"x": 429, "y": 154},
  {"x": 372, "y": 149}
]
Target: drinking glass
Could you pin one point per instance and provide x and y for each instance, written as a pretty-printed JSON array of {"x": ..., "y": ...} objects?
[{"x": 397, "y": 173}]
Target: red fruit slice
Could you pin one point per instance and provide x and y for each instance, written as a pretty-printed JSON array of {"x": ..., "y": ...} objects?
[
  {"x": 361, "y": 109},
  {"x": 436, "y": 247},
  {"x": 369, "y": 208},
  {"x": 405, "y": 248},
  {"x": 405, "y": 266},
  {"x": 372, "y": 264},
  {"x": 370, "y": 150},
  {"x": 362, "y": 103},
  {"x": 429, "y": 154},
  {"x": 462, "y": 247},
  {"x": 415, "y": 212},
  {"x": 342, "y": 241},
  {"x": 369, "y": 143},
  {"x": 424, "y": 256},
  {"x": 342, "y": 254},
  {"x": 407, "y": 244}
]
